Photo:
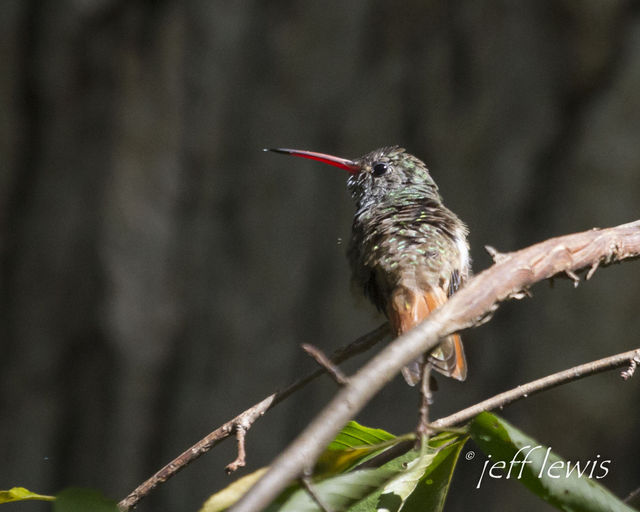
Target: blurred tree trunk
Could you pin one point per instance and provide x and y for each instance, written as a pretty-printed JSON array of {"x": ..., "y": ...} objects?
[{"x": 157, "y": 271}]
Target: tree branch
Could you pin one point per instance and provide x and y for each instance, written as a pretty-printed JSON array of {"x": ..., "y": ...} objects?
[
  {"x": 508, "y": 397},
  {"x": 320, "y": 358},
  {"x": 536, "y": 386},
  {"x": 243, "y": 422},
  {"x": 471, "y": 306}
]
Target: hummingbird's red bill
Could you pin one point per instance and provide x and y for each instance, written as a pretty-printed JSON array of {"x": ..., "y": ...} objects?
[{"x": 343, "y": 163}]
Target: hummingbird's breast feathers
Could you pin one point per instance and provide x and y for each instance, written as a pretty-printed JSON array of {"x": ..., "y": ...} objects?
[{"x": 420, "y": 244}]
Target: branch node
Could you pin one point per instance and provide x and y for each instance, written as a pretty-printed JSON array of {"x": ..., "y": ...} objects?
[
  {"x": 241, "y": 432},
  {"x": 326, "y": 363},
  {"x": 521, "y": 294},
  {"x": 631, "y": 369},
  {"x": 614, "y": 250},
  {"x": 573, "y": 276},
  {"x": 496, "y": 255},
  {"x": 593, "y": 269},
  {"x": 486, "y": 316}
]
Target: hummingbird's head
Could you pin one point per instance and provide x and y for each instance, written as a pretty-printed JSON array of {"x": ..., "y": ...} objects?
[{"x": 388, "y": 173}]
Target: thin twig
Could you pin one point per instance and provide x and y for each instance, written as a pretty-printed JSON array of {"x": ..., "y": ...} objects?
[
  {"x": 633, "y": 364},
  {"x": 508, "y": 397},
  {"x": 426, "y": 399},
  {"x": 469, "y": 307},
  {"x": 592, "y": 270},
  {"x": 241, "y": 433},
  {"x": 496, "y": 256},
  {"x": 326, "y": 363},
  {"x": 247, "y": 418},
  {"x": 574, "y": 277},
  {"x": 536, "y": 386},
  {"x": 308, "y": 486},
  {"x": 633, "y": 498}
]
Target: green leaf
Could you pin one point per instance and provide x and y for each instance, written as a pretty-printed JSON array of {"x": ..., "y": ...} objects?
[
  {"x": 354, "y": 434},
  {"x": 232, "y": 493},
  {"x": 425, "y": 482},
  {"x": 75, "y": 499},
  {"x": 398, "y": 465},
  {"x": 354, "y": 444},
  {"x": 20, "y": 493},
  {"x": 338, "y": 493},
  {"x": 400, "y": 488},
  {"x": 356, "y": 491},
  {"x": 571, "y": 487}
]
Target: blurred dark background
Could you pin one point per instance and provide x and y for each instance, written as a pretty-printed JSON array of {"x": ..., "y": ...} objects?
[{"x": 159, "y": 271}]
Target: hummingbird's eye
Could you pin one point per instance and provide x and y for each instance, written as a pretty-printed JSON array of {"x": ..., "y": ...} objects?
[{"x": 379, "y": 168}]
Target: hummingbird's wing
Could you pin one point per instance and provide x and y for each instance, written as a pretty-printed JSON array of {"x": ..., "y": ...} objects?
[{"x": 406, "y": 309}]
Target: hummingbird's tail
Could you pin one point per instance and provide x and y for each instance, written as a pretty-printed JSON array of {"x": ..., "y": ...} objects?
[{"x": 407, "y": 308}]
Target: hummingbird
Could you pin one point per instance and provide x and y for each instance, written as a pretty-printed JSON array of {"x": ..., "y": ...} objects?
[{"x": 407, "y": 251}]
